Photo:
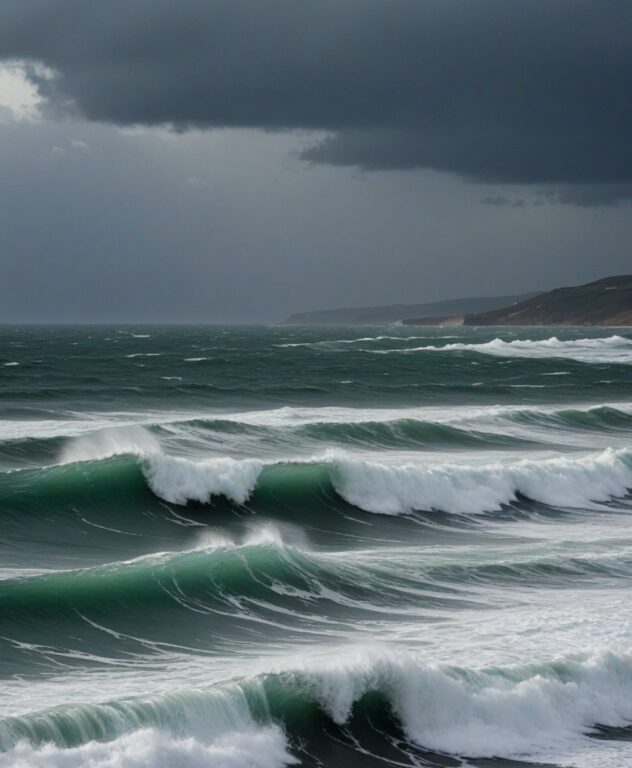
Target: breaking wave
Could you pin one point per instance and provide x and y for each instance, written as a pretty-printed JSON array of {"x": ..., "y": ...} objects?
[
  {"x": 179, "y": 480},
  {"x": 611, "y": 349},
  {"x": 518, "y": 711},
  {"x": 461, "y": 488},
  {"x": 464, "y": 489},
  {"x": 475, "y": 488}
]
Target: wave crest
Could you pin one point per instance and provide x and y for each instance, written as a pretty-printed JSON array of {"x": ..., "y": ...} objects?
[
  {"x": 611, "y": 349},
  {"x": 472, "y": 489},
  {"x": 180, "y": 480},
  {"x": 484, "y": 713},
  {"x": 458, "y": 488},
  {"x": 113, "y": 441},
  {"x": 513, "y": 711}
]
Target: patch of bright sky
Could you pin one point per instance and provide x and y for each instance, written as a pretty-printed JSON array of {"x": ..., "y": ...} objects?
[{"x": 19, "y": 99}]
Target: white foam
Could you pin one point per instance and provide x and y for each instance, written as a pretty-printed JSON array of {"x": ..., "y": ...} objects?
[
  {"x": 393, "y": 489},
  {"x": 507, "y": 712},
  {"x": 475, "y": 488},
  {"x": 611, "y": 349},
  {"x": 135, "y": 335},
  {"x": 114, "y": 441},
  {"x": 329, "y": 342},
  {"x": 256, "y": 748},
  {"x": 180, "y": 480}
]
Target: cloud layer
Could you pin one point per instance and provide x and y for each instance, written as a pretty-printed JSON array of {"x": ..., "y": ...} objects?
[{"x": 503, "y": 91}]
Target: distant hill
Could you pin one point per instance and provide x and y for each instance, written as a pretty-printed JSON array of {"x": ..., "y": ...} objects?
[
  {"x": 398, "y": 312},
  {"x": 604, "y": 302}
]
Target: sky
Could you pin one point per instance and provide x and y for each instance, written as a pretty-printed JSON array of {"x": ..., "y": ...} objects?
[{"x": 241, "y": 160}]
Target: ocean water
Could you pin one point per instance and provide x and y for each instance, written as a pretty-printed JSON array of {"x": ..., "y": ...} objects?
[{"x": 264, "y": 547}]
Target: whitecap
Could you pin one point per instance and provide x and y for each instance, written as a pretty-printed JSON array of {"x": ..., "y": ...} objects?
[
  {"x": 180, "y": 480},
  {"x": 611, "y": 349}
]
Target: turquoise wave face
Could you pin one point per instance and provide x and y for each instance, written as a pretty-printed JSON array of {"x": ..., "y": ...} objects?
[
  {"x": 211, "y": 597},
  {"x": 251, "y": 546}
]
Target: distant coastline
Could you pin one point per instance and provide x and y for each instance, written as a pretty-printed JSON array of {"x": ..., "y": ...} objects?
[
  {"x": 395, "y": 313},
  {"x": 604, "y": 302}
]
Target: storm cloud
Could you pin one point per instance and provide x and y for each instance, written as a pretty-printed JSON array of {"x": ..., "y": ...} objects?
[{"x": 532, "y": 92}]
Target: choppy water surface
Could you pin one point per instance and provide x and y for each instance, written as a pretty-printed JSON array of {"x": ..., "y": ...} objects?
[{"x": 321, "y": 547}]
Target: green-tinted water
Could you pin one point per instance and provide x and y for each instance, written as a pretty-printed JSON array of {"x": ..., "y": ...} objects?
[{"x": 344, "y": 546}]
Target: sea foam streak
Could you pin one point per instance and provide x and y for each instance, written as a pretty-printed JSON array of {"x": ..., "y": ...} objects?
[{"x": 612, "y": 349}]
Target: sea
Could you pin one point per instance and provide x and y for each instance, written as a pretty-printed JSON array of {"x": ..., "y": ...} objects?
[{"x": 255, "y": 547}]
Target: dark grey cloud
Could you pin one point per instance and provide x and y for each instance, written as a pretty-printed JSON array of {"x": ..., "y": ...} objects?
[
  {"x": 588, "y": 195},
  {"x": 103, "y": 225},
  {"x": 530, "y": 92},
  {"x": 499, "y": 201}
]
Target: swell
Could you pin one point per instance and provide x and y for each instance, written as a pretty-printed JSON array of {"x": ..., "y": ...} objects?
[
  {"x": 398, "y": 433},
  {"x": 476, "y": 712},
  {"x": 388, "y": 430},
  {"x": 98, "y": 511},
  {"x": 404, "y": 433},
  {"x": 115, "y": 480},
  {"x": 600, "y": 418},
  {"x": 205, "y": 601},
  {"x": 30, "y": 451},
  {"x": 458, "y": 488},
  {"x": 268, "y": 571}
]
